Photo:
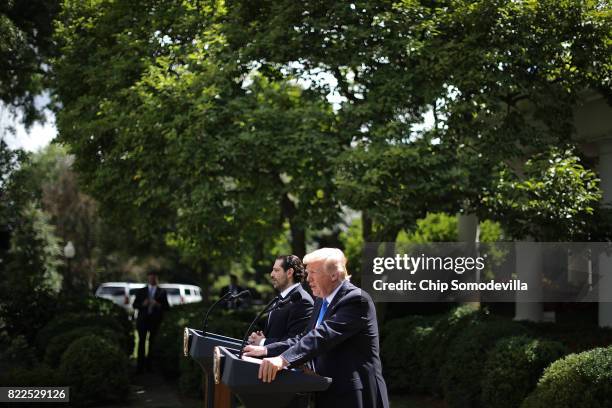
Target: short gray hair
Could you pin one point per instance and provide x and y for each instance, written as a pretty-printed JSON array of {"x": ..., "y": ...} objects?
[{"x": 333, "y": 258}]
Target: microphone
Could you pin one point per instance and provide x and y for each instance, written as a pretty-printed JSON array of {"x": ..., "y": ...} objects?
[
  {"x": 295, "y": 296},
  {"x": 241, "y": 294},
  {"x": 228, "y": 296}
]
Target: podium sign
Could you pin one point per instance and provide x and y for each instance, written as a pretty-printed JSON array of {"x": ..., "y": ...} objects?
[{"x": 240, "y": 375}]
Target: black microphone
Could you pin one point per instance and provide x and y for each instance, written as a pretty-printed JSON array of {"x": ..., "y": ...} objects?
[
  {"x": 226, "y": 297},
  {"x": 241, "y": 294},
  {"x": 295, "y": 296}
]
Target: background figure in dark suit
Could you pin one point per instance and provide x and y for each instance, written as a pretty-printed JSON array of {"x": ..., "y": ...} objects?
[
  {"x": 151, "y": 303},
  {"x": 342, "y": 340},
  {"x": 234, "y": 288},
  {"x": 289, "y": 321}
]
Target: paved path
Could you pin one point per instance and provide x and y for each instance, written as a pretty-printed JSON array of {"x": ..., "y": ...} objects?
[{"x": 152, "y": 391}]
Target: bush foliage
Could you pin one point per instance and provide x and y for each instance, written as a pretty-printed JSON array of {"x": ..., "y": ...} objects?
[
  {"x": 96, "y": 370},
  {"x": 577, "y": 381},
  {"x": 513, "y": 368},
  {"x": 404, "y": 342},
  {"x": 463, "y": 371}
]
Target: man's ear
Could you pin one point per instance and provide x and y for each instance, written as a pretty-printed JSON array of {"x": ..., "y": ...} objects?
[{"x": 290, "y": 273}]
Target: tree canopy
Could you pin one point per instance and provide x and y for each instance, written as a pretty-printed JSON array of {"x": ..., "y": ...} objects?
[
  {"x": 216, "y": 125},
  {"x": 26, "y": 29}
]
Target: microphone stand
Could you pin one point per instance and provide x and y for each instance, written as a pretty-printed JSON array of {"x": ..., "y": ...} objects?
[
  {"x": 214, "y": 305},
  {"x": 246, "y": 335}
]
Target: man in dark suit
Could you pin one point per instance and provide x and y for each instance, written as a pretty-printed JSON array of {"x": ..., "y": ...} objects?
[
  {"x": 289, "y": 321},
  {"x": 342, "y": 340},
  {"x": 151, "y": 303}
]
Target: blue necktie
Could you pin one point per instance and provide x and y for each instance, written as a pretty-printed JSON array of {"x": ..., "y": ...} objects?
[{"x": 322, "y": 312}]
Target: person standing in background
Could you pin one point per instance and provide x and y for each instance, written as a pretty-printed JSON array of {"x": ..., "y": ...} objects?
[
  {"x": 151, "y": 302},
  {"x": 235, "y": 289}
]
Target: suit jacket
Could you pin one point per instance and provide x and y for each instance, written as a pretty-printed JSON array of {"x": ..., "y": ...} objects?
[
  {"x": 150, "y": 320},
  {"x": 290, "y": 320},
  {"x": 344, "y": 347}
]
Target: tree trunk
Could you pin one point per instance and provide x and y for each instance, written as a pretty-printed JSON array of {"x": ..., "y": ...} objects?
[
  {"x": 366, "y": 227},
  {"x": 298, "y": 240},
  {"x": 259, "y": 263},
  {"x": 298, "y": 233}
]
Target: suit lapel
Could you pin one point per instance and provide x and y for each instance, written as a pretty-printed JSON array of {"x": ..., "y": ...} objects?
[
  {"x": 339, "y": 295},
  {"x": 267, "y": 328}
]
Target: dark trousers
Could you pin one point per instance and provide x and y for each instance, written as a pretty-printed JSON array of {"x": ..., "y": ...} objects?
[
  {"x": 146, "y": 361},
  {"x": 351, "y": 399}
]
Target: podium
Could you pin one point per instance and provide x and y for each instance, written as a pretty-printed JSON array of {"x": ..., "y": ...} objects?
[
  {"x": 240, "y": 375},
  {"x": 225, "y": 373},
  {"x": 200, "y": 347}
]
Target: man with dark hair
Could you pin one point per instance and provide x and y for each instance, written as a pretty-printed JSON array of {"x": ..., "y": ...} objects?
[
  {"x": 290, "y": 320},
  {"x": 151, "y": 302}
]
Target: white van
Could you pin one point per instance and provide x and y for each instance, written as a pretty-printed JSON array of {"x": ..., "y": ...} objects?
[
  {"x": 121, "y": 293},
  {"x": 179, "y": 293}
]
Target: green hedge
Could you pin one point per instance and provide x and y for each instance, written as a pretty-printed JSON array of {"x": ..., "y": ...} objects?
[
  {"x": 39, "y": 376},
  {"x": 96, "y": 370},
  {"x": 577, "y": 381},
  {"x": 513, "y": 368},
  {"x": 16, "y": 352},
  {"x": 576, "y": 337},
  {"x": 445, "y": 329},
  {"x": 72, "y": 321},
  {"x": 463, "y": 371},
  {"x": 58, "y": 344},
  {"x": 168, "y": 346},
  {"x": 404, "y": 341},
  {"x": 92, "y": 305}
]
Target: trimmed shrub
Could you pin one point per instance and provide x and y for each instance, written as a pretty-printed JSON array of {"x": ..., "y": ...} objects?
[
  {"x": 72, "y": 321},
  {"x": 577, "y": 381},
  {"x": 190, "y": 379},
  {"x": 103, "y": 307},
  {"x": 96, "y": 370},
  {"x": 60, "y": 343},
  {"x": 513, "y": 368},
  {"x": 403, "y": 343},
  {"x": 576, "y": 337},
  {"x": 463, "y": 371},
  {"x": 15, "y": 352},
  {"x": 168, "y": 345},
  {"x": 444, "y": 331},
  {"x": 39, "y": 376}
]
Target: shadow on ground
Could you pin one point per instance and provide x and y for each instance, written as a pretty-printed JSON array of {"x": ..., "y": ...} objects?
[{"x": 151, "y": 390}]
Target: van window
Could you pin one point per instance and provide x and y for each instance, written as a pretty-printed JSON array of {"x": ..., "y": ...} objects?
[
  {"x": 187, "y": 292},
  {"x": 133, "y": 291},
  {"x": 112, "y": 290},
  {"x": 173, "y": 291}
]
